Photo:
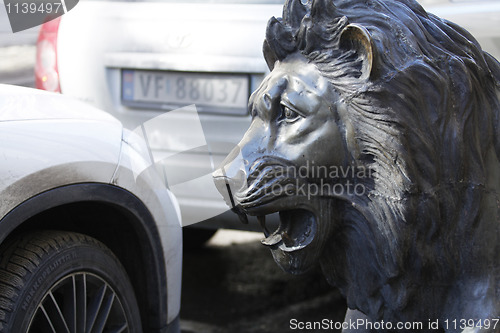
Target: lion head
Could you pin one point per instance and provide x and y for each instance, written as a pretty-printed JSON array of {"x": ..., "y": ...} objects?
[{"x": 376, "y": 138}]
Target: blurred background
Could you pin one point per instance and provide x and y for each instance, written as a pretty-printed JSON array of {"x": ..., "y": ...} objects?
[{"x": 17, "y": 53}]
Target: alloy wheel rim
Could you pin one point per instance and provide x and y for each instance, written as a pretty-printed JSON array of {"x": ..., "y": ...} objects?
[{"x": 80, "y": 302}]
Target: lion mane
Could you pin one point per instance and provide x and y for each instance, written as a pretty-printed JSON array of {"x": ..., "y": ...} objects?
[{"x": 425, "y": 119}]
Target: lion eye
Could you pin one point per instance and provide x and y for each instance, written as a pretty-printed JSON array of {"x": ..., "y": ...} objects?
[{"x": 289, "y": 114}]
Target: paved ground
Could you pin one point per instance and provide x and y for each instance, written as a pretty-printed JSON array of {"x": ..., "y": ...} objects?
[{"x": 233, "y": 285}]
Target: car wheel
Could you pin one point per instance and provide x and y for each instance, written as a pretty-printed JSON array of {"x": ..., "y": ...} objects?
[{"x": 54, "y": 281}]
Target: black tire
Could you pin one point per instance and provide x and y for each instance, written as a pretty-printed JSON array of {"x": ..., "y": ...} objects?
[{"x": 65, "y": 280}]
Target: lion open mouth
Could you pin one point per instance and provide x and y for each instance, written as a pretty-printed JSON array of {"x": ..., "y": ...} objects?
[
  {"x": 272, "y": 186},
  {"x": 296, "y": 230},
  {"x": 297, "y": 227}
]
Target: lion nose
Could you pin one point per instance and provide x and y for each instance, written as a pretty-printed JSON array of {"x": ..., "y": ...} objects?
[{"x": 231, "y": 177}]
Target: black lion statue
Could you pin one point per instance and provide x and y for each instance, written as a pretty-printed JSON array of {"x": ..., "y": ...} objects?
[{"x": 376, "y": 138}]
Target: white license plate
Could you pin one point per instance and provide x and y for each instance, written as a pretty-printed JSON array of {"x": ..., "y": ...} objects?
[{"x": 219, "y": 93}]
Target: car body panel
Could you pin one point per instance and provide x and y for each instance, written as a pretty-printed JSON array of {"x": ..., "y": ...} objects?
[
  {"x": 46, "y": 146},
  {"x": 40, "y": 105},
  {"x": 119, "y": 36},
  {"x": 137, "y": 174}
]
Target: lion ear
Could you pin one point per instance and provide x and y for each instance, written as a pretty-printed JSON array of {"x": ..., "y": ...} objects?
[
  {"x": 356, "y": 38},
  {"x": 279, "y": 42}
]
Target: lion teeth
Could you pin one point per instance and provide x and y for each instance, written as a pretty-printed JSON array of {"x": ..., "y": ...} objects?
[{"x": 272, "y": 240}]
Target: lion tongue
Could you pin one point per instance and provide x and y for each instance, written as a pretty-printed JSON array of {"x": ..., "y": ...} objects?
[{"x": 296, "y": 231}]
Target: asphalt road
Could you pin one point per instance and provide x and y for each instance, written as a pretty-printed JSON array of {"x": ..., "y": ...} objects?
[{"x": 233, "y": 285}]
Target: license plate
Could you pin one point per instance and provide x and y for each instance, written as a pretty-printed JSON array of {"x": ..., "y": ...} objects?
[{"x": 218, "y": 93}]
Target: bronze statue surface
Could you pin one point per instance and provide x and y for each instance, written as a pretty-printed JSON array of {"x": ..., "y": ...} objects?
[{"x": 376, "y": 138}]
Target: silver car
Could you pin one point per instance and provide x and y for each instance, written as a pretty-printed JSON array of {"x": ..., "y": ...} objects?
[
  {"x": 139, "y": 59},
  {"x": 90, "y": 240}
]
